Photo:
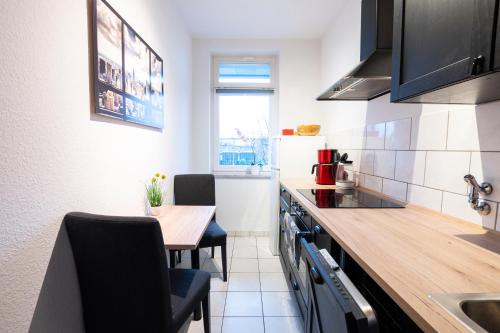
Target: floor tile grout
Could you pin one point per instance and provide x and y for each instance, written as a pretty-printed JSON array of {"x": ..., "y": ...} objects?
[
  {"x": 228, "y": 272},
  {"x": 259, "y": 259},
  {"x": 261, "y": 301}
]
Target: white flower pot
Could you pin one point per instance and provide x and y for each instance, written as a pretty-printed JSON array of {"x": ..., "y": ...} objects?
[{"x": 156, "y": 211}]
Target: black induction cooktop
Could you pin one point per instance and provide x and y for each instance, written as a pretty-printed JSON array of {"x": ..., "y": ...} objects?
[{"x": 346, "y": 198}]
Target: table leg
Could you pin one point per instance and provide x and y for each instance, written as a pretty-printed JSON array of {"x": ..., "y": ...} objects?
[
  {"x": 195, "y": 259},
  {"x": 172, "y": 258},
  {"x": 195, "y": 264}
]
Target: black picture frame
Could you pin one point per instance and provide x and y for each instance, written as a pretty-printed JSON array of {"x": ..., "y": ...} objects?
[{"x": 128, "y": 73}]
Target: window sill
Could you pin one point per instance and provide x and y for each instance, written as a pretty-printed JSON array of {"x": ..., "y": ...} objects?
[{"x": 242, "y": 175}]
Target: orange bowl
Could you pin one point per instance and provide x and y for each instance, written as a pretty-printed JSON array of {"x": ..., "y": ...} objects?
[{"x": 308, "y": 130}]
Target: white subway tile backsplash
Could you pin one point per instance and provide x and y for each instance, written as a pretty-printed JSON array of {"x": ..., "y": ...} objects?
[
  {"x": 462, "y": 130},
  {"x": 366, "y": 161},
  {"x": 486, "y": 168},
  {"x": 429, "y": 131},
  {"x": 358, "y": 138},
  {"x": 498, "y": 223},
  {"x": 488, "y": 123},
  {"x": 446, "y": 170},
  {"x": 425, "y": 197},
  {"x": 355, "y": 177},
  {"x": 348, "y": 139},
  {"x": 394, "y": 189},
  {"x": 398, "y": 134},
  {"x": 422, "y": 159},
  {"x": 474, "y": 128},
  {"x": 371, "y": 182},
  {"x": 355, "y": 157},
  {"x": 375, "y": 136},
  {"x": 457, "y": 205},
  {"x": 384, "y": 163},
  {"x": 410, "y": 166}
]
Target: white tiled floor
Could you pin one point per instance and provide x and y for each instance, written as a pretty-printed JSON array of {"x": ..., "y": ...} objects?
[{"x": 255, "y": 298}]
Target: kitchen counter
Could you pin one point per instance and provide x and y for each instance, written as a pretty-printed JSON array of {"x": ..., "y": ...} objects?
[{"x": 412, "y": 252}]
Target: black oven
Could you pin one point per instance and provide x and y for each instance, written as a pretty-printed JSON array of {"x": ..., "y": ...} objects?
[{"x": 295, "y": 229}]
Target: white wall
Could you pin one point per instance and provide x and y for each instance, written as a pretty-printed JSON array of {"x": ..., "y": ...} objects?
[
  {"x": 413, "y": 152},
  {"x": 243, "y": 203},
  {"x": 56, "y": 156}
]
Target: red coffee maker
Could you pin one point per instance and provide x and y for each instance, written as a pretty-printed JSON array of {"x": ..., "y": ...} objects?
[{"x": 327, "y": 166}]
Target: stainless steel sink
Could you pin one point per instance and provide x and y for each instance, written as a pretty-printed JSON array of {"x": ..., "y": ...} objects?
[{"x": 479, "y": 312}]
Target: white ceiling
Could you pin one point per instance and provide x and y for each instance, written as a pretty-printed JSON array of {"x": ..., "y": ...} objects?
[{"x": 266, "y": 19}]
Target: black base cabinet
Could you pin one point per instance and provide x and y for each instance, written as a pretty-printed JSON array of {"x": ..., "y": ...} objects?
[
  {"x": 390, "y": 317},
  {"x": 443, "y": 51}
]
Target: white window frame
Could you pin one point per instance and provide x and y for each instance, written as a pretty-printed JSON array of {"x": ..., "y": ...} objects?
[{"x": 243, "y": 170}]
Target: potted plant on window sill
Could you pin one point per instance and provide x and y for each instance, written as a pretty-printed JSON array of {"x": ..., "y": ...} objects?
[
  {"x": 255, "y": 169},
  {"x": 155, "y": 194}
]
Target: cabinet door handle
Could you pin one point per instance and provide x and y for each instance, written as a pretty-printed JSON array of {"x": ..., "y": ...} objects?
[
  {"x": 477, "y": 65},
  {"x": 283, "y": 210}
]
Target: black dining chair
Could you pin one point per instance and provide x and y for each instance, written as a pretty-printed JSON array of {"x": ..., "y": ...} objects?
[
  {"x": 124, "y": 279},
  {"x": 199, "y": 190}
]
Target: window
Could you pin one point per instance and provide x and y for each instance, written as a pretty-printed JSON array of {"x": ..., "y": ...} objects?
[
  {"x": 243, "y": 113},
  {"x": 244, "y": 73}
]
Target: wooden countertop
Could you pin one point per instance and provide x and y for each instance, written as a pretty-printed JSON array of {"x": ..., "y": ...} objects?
[
  {"x": 183, "y": 226},
  {"x": 413, "y": 252}
]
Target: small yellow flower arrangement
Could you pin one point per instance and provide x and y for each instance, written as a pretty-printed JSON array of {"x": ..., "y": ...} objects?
[{"x": 155, "y": 190}]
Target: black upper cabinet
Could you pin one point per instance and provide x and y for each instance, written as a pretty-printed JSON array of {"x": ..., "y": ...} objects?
[
  {"x": 442, "y": 51},
  {"x": 497, "y": 46}
]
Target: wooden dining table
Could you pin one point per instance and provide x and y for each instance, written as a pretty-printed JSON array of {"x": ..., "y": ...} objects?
[{"x": 183, "y": 226}]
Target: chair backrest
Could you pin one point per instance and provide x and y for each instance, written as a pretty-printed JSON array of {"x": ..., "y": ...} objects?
[
  {"x": 194, "y": 190},
  {"x": 122, "y": 272}
]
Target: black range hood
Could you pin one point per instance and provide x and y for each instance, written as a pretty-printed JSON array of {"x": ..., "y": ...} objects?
[{"x": 372, "y": 77}]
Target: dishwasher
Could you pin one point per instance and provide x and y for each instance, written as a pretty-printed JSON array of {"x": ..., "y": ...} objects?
[{"x": 335, "y": 305}]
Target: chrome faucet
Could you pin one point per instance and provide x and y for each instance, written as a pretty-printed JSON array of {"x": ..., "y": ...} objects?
[{"x": 479, "y": 205}]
